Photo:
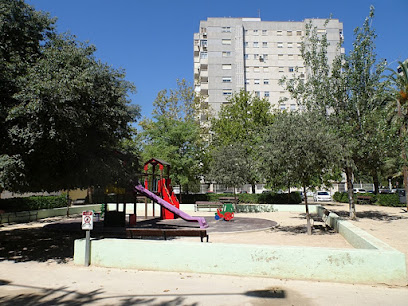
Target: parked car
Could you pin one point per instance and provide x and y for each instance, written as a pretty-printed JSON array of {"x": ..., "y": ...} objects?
[
  {"x": 322, "y": 196},
  {"x": 359, "y": 190}
]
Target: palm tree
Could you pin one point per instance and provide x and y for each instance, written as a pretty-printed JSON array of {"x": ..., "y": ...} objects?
[{"x": 399, "y": 79}]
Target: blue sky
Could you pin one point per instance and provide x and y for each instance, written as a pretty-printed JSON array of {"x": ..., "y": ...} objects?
[{"x": 153, "y": 40}]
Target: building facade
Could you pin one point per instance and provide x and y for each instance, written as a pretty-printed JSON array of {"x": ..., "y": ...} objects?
[{"x": 231, "y": 54}]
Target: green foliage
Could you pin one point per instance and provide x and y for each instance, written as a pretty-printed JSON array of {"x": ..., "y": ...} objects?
[
  {"x": 175, "y": 136},
  {"x": 64, "y": 114},
  {"x": 299, "y": 149},
  {"x": 237, "y": 130},
  {"x": 391, "y": 199},
  {"x": 33, "y": 203},
  {"x": 247, "y": 198},
  {"x": 341, "y": 197}
]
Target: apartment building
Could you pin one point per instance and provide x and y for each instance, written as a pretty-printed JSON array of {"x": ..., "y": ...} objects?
[{"x": 235, "y": 53}]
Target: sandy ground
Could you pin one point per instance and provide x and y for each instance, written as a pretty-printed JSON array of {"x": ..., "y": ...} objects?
[{"x": 36, "y": 268}]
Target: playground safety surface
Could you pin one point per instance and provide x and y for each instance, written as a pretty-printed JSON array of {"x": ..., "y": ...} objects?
[{"x": 237, "y": 224}]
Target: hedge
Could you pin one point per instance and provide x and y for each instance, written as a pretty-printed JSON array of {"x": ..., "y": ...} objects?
[
  {"x": 33, "y": 203},
  {"x": 263, "y": 198},
  {"x": 387, "y": 199}
]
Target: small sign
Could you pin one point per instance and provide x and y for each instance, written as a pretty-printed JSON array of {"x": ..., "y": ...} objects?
[{"x": 87, "y": 220}]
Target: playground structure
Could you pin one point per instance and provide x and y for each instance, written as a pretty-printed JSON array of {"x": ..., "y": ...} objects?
[
  {"x": 226, "y": 213},
  {"x": 157, "y": 188}
]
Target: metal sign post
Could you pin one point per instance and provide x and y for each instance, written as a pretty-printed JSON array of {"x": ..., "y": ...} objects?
[{"x": 87, "y": 225}]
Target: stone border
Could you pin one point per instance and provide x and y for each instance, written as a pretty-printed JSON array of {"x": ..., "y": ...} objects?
[{"x": 371, "y": 262}]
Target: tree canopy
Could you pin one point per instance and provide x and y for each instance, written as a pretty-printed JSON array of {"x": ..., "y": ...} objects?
[
  {"x": 241, "y": 121},
  {"x": 174, "y": 135},
  {"x": 64, "y": 114}
]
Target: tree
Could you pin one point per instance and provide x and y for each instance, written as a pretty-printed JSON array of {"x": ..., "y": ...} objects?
[
  {"x": 398, "y": 109},
  {"x": 348, "y": 91},
  {"x": 228, "y": 165},
  {"x": 302, "y": 145},
  {"x": 68, "y": 114},
  {"x": 174, "y": 135},
  {"x": 241, "y": 122}
]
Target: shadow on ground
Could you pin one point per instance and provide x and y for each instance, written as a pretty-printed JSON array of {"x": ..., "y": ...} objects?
[
  {"x": 371, "y": 214},
  {"x": 37, "y": 244}
]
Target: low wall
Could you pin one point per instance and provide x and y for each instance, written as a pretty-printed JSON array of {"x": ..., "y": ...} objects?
[
  {"x": 338, "y": 265},
  {"x": 27, "y": 216},
  {"x": 371, "y": 262}
]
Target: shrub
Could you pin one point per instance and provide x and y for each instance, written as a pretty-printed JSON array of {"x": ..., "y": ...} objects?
[
  {"x": 341, "y": 197},
  {"x": 33, "y": 203},
  {"x": 391, "y": 199},
  {"x": 249, "y": 198}
]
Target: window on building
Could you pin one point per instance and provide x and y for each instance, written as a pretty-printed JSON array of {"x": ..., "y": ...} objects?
[
  {"x": 289, "y": 33},
  {"x": 246, "y": 31},
  {"x": 280, "y": 44},
  {"x": 290, "y": 45},
  {"x": 266, "y": 81},
  {"x": 227, "y": 92},
  {"x": 203, "y": 43},
  {"x": 280, "y": 56},
  {"x": 226, "y": 79},
  {"x": 291, "y": 69},
  {"x": 279, "y": 33},
  {"x": 258, "y": 94},
  {"x": 226, "y": 29},
  {"x": 266, "y": 69},
  {"x": 264, "y": 32},
  {"x": 299, "y": 45},
  {"x": 290, "y": 57},
  {"x": 246, "y": 82},
  {"x": 256, "y": 56},
  {"x": 226, "y": 53},
  {"x": 203, "y": 55},
  {"x": 293, "y": 107},
  {"x": 256, "y": 69},
  {"x": 266, "y": 94},
  {"x": 256, "y": 44},
  {"x": 255, "y": 32},
  {"x": 299, "y": 33},
  {"x": 282, "y": 107},
  {"x": 246, "y": 44},
  {"x": 226, "y": 41},
  {"x": 264, "y": 44},
  {"x": 256, "y": 82},
  {"x": 226, "y": 66},
  {"x": 321, "y": 31},
  {"x": 265, "y": 56},
  {"x": 281, "y": 69},
  {"x": 246, "y": 56}
]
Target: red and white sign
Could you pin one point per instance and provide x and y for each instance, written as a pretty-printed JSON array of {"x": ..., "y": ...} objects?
[{"x": 87, "y": 220}]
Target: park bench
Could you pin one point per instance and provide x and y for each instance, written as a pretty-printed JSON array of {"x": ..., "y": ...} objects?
[
  {"x": 364, "y": 200},
  {"x": 206, "y": 204},
  {"x": 165, "y": 233},
  {"x": 228, "y": 200}
]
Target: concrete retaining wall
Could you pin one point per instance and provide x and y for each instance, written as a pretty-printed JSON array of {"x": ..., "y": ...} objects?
[
  {"x": 27, "y": 216},
  {"x": 371, "y": 262},
  {"x": 338, "y": 265}
]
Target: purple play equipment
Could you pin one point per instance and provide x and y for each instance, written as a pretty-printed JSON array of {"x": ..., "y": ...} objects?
[{"x": 139, "y": 188}]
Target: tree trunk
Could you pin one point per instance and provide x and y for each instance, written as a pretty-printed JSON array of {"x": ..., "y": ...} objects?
[
  {"x": 68, "y": 202},
  {"x": 376, "y": 182},
  {"x": 405, "y": 170},
  {"x": 253, "y": 188},
  {"x": 309, "y": 227},
  {"x": 352, "y": 207}
]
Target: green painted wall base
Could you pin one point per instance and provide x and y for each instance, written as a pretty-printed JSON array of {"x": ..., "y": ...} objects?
[
  {"x": 338, "y": 265},
  {"x": 371, "y": 262}
]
